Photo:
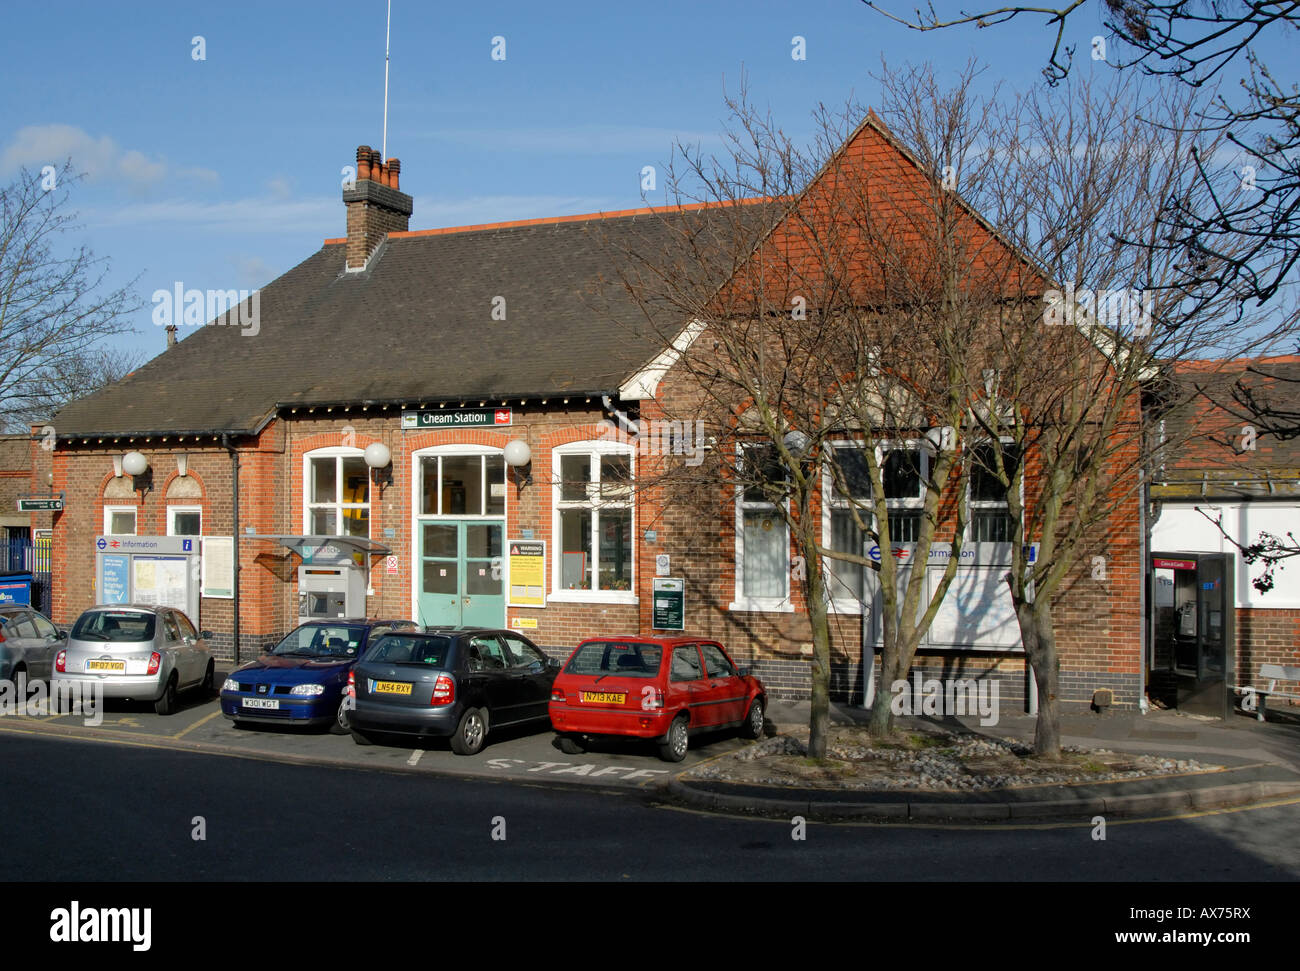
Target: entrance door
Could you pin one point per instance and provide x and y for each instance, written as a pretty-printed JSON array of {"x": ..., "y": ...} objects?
[{"x": 461, "y": 576}]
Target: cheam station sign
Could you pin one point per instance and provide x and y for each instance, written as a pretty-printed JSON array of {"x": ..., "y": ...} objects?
[{"x": 458, "y": 418}]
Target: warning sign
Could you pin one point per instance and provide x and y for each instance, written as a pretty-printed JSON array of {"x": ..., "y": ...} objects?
[{"x": 527, "y": 566}]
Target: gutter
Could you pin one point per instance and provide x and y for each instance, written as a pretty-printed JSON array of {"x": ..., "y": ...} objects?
[{"x": 234, "y": 512}]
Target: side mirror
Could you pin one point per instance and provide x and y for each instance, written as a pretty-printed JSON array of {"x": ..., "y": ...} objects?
[
  {"x": 62, "y": 632},
  {"x": 207, "y": 635},
  {"x": 744, "y": 672},
  {"x": 268, "y": 648}
]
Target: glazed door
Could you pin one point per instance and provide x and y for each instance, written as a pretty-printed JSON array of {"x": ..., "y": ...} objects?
[{"x": 461, "y": 574}]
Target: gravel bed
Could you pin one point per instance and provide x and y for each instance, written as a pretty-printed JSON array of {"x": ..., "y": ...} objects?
[{"x": 948, "y": 762}]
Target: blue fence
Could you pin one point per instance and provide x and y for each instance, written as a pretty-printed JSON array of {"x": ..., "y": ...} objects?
[{"x": 30, "y": 556}]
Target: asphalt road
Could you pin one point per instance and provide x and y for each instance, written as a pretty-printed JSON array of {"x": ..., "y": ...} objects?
[{"x": 104, "y": 811}]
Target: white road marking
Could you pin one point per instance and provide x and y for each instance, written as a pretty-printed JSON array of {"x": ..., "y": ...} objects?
[
  {"x": 415, "y": 756},
  {"x": 590, "y": 770}
]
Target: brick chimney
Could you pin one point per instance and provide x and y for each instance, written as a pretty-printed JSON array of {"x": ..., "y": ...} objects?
[{"x": 375, "y": 206}]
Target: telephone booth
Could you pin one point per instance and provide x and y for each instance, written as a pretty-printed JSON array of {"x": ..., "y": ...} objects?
[{"x": 1193, "y": 637}]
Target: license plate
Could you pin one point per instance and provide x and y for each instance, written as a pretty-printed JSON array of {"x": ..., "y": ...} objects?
[
  {"x": 272, "y": 703},
  {"x": 604, "y": 697},
  {"x": 392, "y": 688},
  {"x": 109, "y": 667}
]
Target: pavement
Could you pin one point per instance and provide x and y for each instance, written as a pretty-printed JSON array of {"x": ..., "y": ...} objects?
[{"x": 1261, "y": 765}]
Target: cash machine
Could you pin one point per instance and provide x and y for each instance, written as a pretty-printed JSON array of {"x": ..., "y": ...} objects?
[{"x": 334, "y": 576}]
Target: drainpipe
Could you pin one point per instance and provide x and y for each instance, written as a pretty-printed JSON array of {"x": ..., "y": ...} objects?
[
  {"x": 234, "y": 515},
  {"x": 1144, "y": 544}
]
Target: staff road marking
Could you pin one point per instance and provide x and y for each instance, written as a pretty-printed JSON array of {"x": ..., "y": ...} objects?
[{"x": 590, "y": 770}]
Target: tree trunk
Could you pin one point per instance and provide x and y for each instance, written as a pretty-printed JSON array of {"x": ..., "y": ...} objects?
[
  {"x": 882, "y": 714},
  {"x": 820, "y": 709},
  {"x": 1039, "y": 637}
]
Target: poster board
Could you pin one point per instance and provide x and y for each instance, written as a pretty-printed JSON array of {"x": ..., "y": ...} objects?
[
  {"x": 219, "y": 567},
  {"x": 526, "y": 573}
]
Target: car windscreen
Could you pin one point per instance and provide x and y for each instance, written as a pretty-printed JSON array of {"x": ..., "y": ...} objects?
[
  {"x": 114, "y": 625},
  {"x": 629, "y": 658},
  {"x": 410, "y": 649},
  {"x": 339, "y": 641}
]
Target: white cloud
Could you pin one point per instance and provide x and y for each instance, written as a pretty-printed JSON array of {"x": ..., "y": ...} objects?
[{"x": 100, "y": 159}]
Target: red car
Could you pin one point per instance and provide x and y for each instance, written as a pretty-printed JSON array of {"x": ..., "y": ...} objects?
[{"x": 650, "y": 687}]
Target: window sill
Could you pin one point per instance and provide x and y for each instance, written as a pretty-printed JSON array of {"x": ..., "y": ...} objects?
[
  {"x": 844, "y": 607},
  {"x": 593, "y": 597},
  {"x": 762, "y": 606}
]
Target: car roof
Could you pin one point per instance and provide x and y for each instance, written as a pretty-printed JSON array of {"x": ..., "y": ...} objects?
[
  {"x": 648, "y": 639},
  {"x": 139, "y": 608}
]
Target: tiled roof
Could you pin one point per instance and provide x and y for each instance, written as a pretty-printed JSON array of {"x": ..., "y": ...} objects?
[{"x": 415, "y": 325}]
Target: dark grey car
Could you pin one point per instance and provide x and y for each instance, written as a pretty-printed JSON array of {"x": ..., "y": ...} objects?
[
  {"x": 28, "y": 643},
  {"x": 459, "y": 683}
]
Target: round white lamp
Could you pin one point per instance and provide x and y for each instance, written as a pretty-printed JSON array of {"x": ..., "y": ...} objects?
[
  {"x": 378, "y": 455},
  {"x": 796, "y": 443},
  {"x": 518, "y": 453},
  {"x": 134, "y": 463}
]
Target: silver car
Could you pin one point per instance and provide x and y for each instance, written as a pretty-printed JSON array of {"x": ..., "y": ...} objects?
[
  {"x": 28, "y": 643},
  {"x": 142, "y": 652}
]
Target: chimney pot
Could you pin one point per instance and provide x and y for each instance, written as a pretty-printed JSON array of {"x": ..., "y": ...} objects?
[
  {"x": 171, "y": 335},
  {"x": 375, "y": 206}
]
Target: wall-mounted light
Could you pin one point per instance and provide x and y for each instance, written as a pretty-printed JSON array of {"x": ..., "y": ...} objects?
[
  {"x": 379, "y": 457},
  {"x": 520, "y": 458},
  {"x": 136, "y": 466},
  {"x": 182, "y": 465},
  {"x": 941, "y": 439},
  {"x": 796, "y": 443}
]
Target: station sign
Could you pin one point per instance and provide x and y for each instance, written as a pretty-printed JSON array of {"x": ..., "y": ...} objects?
[
  {"x": 457, "y": 418},
  {"x": 669, "y": 604},
  {"x": 40, "y": 503}
]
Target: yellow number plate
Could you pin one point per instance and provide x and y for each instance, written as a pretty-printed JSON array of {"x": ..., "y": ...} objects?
[
  {"x": 604, "y": 697},
  {"x": 392, "y": 688},
  {"x": 117, "y": 667}
]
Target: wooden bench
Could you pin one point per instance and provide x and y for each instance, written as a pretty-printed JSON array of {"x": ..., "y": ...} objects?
[{"x": 1273, "y": 673}]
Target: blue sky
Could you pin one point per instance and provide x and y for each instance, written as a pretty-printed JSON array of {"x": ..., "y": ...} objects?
[{"x": 225, "y": 172}]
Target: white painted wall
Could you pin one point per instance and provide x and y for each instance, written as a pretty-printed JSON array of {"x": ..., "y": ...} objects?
[{"x": 1182, "y": 529}]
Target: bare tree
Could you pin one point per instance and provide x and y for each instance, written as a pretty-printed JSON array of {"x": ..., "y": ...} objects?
[
  {"x": 897, "y": 299},
  {"x": 1247, "y": 224},
  {"x": 55, "y": 311}
]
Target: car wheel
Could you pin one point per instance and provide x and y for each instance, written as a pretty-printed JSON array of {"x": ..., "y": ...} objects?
[
  {"x": 754, "y": 720},
  {"x": 166, "y": 703},
  {"x": 674, "y": 744},
  {"x": 342, "y": 723},
  {"x": 209, "y": 682},
  {"x": 572, "y": 744},
  {"x": 470, "y": 733},
  {"x": 361, "y": 738}
]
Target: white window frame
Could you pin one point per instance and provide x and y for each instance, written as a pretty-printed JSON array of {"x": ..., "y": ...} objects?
[
  {"x": 830, "y": 502},
  {"x": 916, "y": 503},
  {"x": 595, "y": 448},
  {"x": 337, "y": 453},
  {"x": 740, "y": 602},
  {"x": 983, "y": 505},
  {"x": 108, "y": 520},
  {"x": 171, "y": 518},
  {"x": 441, "y": 452}
]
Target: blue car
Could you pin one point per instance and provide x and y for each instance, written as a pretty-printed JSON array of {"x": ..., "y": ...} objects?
[{"x": 302, "y": 680}]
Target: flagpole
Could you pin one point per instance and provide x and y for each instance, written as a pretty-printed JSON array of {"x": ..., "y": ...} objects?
[{"x": 387, "y": 35}]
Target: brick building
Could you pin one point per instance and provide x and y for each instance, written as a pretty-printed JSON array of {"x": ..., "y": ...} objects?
[
  {"x": 368, "y": 413},
  {"x": 1229, "y": 473}
]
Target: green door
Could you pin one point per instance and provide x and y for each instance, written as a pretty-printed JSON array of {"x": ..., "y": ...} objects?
[{"x": 461, "y": 576}]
